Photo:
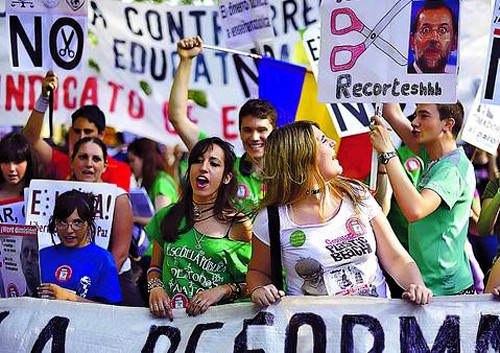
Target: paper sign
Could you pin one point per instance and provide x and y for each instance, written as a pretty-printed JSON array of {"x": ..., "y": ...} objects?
[
  {"x": 46, "y": 34},
  {"x": 246, "y": 23},
  {"x": 19, "y": 260},
  {"x": 370, "y": 49},
  {"x": 42, "y": 195}
]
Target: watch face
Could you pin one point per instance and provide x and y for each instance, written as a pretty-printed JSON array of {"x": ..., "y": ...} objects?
[{"x": 386, "y": 156}]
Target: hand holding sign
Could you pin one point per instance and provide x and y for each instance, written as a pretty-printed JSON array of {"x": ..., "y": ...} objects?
[{"x": 50, "y": 83}]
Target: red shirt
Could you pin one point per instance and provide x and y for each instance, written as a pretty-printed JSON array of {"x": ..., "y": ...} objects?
[{"x": 116, "y": 172}]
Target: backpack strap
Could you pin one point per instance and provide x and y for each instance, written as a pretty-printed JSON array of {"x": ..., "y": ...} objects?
[{"x": 275, "y": 246}]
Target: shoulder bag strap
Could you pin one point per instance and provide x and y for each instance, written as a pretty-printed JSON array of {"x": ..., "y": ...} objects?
[{"x": 275, "y": 246}]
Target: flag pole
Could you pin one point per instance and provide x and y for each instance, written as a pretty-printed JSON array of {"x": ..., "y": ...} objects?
[
  {"x": 374, "y": 161},
  {"x": 232, "y": 51}
]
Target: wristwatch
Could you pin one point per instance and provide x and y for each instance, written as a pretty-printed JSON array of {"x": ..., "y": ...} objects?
[{"x": 386, "y": 156}]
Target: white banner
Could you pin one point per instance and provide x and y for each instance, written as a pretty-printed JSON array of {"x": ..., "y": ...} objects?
[
  {"x": 297, "y": 324},
  {"x": 366, "y": 56},
  {"x": 42, "y": 195},
  {"x": 46, "y": 34},
  {"x": 227, "y": 81}
]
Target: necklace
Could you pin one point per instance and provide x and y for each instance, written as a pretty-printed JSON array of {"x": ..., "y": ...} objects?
[
  {"x": 197, "y": 213},
  {"x": 198, "y": 241},
  {"x": 313, "y": 192}
]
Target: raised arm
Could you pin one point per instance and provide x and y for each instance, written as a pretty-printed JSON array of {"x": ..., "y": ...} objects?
[
  {"x": 188, "y": 48},
  {"x": 413, "y": 204},
  {"x": 33, "y": 128},
  {"x": 399, "y": 122}
]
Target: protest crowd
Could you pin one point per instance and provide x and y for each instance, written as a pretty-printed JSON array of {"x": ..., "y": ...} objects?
[{"x": 279, "y": 220}]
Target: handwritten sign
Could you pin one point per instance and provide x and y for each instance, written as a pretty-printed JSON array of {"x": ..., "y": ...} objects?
[{"x": 365, "y": 55}]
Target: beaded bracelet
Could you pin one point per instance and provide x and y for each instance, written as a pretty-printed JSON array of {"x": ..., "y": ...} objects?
[
  {"x": 154, "y": 269},
  {"x": 235, "y": 291},
  {"x": 154, "y": 283}
]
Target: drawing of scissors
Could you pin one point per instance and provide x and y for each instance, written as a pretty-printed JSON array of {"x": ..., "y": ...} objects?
[
  {"x": 67, "y": 43},
  {"x": 372, "y": 36}
]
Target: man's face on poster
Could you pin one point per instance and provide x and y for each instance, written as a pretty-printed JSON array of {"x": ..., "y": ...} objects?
[
  {"x": 29, "y": 264},
  {"x": 434, "y": 39}
]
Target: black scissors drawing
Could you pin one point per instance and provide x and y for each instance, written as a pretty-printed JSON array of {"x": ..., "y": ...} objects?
[
  {"x": 372, "y": 36},
  {"x": 67, "y": 45}
]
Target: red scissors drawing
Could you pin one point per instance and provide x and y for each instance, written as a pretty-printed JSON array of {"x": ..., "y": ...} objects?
[{"x": 372, "y": 36}]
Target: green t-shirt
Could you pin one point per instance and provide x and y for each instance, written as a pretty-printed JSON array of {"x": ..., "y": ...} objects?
[
  {"x": 196, "y": 262},
  {"x": 414, "y": 166},
  {"x": 436, "y": 242},
  {"x": 251, "y": 190},
  {"x": 163, "y": 185},
  {"x": 490, "y": 191}
]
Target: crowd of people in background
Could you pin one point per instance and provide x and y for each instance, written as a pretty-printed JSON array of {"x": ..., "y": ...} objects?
[{"x": 278, "y": 220}]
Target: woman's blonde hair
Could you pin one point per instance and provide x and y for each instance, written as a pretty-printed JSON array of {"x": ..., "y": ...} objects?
[{"x": 290, "y": 169}]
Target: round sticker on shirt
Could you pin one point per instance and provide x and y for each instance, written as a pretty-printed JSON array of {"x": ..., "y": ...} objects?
[
  {"x": 179, "y": 301},
  {"x": 298, "y": 238},
  {"x": 242, "y": 192},
  {"x": 12, "y": 291},
  {"x": 412, "y": 164},
  {"x": 63, "y": 273}
]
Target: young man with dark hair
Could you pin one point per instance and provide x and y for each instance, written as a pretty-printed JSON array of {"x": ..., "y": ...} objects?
[
  {"x": 438, "y": 208},
  {"x": 434, "y": 35},
  {"x": 257, "y": 118},
  {"x": 88, "y": 120}
]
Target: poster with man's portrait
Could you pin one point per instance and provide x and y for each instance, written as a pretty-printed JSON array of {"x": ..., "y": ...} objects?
[
  {"x": 19, "y": 261},
  {"x": 433, "y": 47}
]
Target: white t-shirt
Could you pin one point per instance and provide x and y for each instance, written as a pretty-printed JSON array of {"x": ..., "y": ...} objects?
[{"x": 336, "y": 257}]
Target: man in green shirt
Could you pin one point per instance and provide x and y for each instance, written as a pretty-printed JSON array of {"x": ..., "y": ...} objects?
[
  {"x": 257, "y": 118},
  {"x": 438, "y": 208}
]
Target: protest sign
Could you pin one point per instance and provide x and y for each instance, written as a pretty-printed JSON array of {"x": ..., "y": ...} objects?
[
  {"x": 42, "y": 195},
  {"x": 141, "y": 203},
  {"x": 296, "y": 324},
  {"x": 366, "y": 57},
  {"x": 46, "y": 34},
  {"x": 490, "y": 92},
  {"x": 246, "y": 23},
  {"x": 12, "y": 212},
  {"x": 19, "y": 260},
  {"x": 482, "y": 127},
  {"x": 349, "y": 119}
]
